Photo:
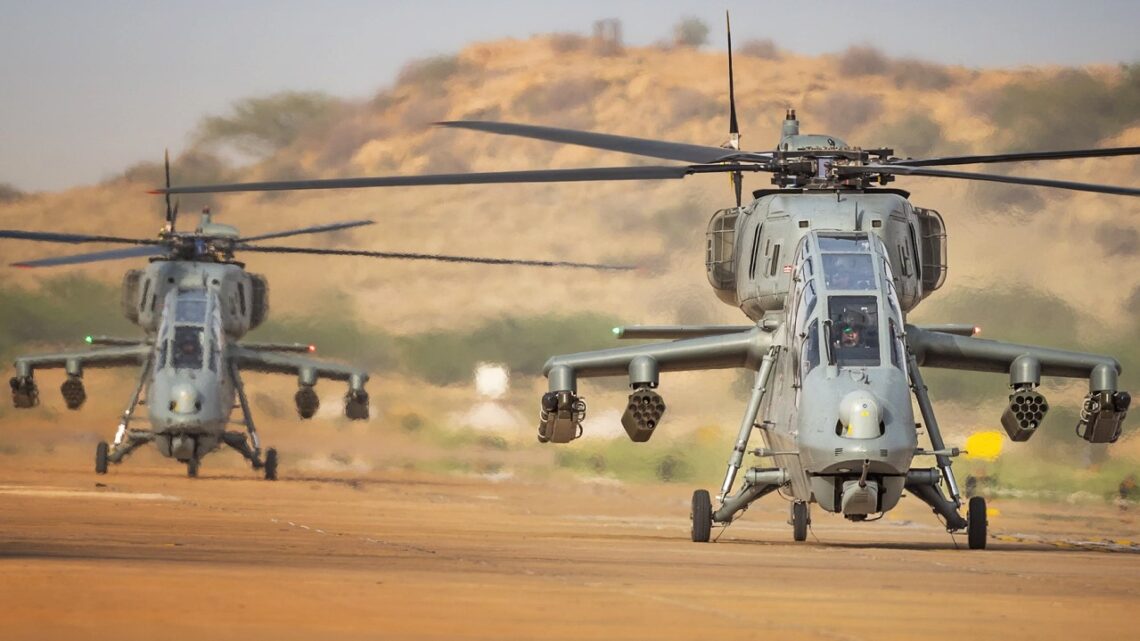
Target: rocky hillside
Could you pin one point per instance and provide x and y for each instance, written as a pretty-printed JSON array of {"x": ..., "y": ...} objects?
[{"x": 1080, "y": 248}]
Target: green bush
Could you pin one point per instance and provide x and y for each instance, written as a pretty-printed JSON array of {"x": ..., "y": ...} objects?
[
  {"x": 60, "y": 313},
  {"x": 1071, "y": 109},
  {"x": 915, "y": 135},
  {"x": 523, "y": 344},
  {"x": 690, "y": 32},
  {"x": 261, "y": 126}
]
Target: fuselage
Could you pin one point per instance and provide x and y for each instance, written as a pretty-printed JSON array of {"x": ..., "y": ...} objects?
[
  {"x": 192, "y": 310},
  {"x": 819, "y": 263}
]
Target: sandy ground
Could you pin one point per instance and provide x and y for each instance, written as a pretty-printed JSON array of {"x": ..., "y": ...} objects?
[{"x": 145, "y": 553}]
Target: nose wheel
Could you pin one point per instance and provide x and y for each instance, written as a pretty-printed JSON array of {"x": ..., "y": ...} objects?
[
  {"x": 701, "y": 516},
  {"x": 976, "y": 523},
  {"x": 192, "y": 468},
  {"x": 101, "y": 452}
]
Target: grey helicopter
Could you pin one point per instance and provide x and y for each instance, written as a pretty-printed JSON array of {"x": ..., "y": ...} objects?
[
  {"x": 195, "y": 302},
  {"x": 826, "y": 265}
]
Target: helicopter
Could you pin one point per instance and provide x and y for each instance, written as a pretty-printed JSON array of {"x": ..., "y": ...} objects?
[
  {"x": 195, "y": 302},
  {"x": 826, "y": 265}
]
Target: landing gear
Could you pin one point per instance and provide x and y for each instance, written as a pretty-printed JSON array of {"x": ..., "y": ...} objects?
[
  {"x": 192, "y": 468},
  {"x": 976, "y": 524},
  {"x": 101, "y": 451},
  {"x": 271, "y": 464},
  {"x": 800, "y": 520},
  {"x": 701, "y": 516}
]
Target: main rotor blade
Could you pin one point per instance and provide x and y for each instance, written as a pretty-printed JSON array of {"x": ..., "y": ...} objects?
[
  {"x": 1020, "y": 157},
  {"x": 316, "y": 229},
  {"x": 440, "y": 257},
  {"x": 114, "y": 254},
  {"x": 733, "y": 128},
  {"x": 52, "y": 237},
  {"x": 965, "y": 175},
  {"x": 657, "y": 172},
  {"x": 638, "y": 146}
]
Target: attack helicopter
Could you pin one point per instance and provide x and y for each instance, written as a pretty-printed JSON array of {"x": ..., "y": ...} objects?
[
  {"x": 826, "y": 265},
  {"x": 195, "y": 302}
]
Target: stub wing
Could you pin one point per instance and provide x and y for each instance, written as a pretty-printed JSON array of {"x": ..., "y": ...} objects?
[
  {"x": 1104, "y": 409},
  {"x": 76, "y": 362},
  {"x": 307, "y": 369}
]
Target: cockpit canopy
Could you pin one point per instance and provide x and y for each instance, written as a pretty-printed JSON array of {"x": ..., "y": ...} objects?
[
  {"x": 195, "y": 340},
  {"x": 861, "y": 313}
]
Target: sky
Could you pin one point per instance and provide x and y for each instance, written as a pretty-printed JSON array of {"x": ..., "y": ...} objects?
[{"x": 88, "y": 88}]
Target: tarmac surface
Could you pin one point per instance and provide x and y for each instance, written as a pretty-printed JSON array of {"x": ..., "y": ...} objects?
[{"x": 145, "y": 553}]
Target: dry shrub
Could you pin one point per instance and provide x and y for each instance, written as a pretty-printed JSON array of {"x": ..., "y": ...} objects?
[
  {"x": 863, "y": 60},
  {"x": 1117, "y": 240},
  {"x": 991, "y": 197},
  {"x": 419, "y": 111},
  {"x": 1071, "y": 109},
  {"x": 9, "y": 193},
  {"x": 690, "y": 104},
  {"x": 429, "y": 72},
  {"x": 337, "y": 146},
  {"x": 916, "y": 74},
  {"x": 764, "y": 48},
  {"x": 568, "y": 42},
  {"x": 559, "y": 95},
  {"x": 915, "y": 135},
  {"x": 843, "y": 111}
]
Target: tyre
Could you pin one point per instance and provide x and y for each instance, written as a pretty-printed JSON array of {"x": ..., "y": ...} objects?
[
  {"x": 976, "y": 524},
  {"x": 101, "y": 452},
  {"x": 271, "y": 464},
  {"x": 192, "y": 468},
  {"x": 800, "y": 520},
  {"x": 701, "y": 516}
]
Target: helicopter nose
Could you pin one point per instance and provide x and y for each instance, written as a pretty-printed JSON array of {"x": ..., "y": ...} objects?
[
  {"x": 184, "y": 399},
  {"x": 860, "y": 415}
]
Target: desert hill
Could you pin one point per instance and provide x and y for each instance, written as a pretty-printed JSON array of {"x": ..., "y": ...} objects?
[
  {"x": 1074, "y": 256},
  {"x": 1059, "y": 242}
]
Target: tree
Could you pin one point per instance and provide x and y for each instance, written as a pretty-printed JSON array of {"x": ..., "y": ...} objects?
[
  {"x": 261, "y": 126},
  {"x": 690, "y": 32}
]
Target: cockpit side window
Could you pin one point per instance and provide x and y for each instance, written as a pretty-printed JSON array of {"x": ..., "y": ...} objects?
[
  {"x": 187, "y": 347},
  {"x": 854, "y": 328},
  {"x": 809, "y": 351}
]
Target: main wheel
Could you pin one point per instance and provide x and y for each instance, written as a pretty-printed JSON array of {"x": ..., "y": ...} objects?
[
  {"x": 101, "y": 451},
  {"x": 800, "y": 520},
  {"x": 192, "y": 468},
  {"x": 271, "y": 464},
  {"x": 701, "y": 516},
  {"x": 976, "y": 523}
]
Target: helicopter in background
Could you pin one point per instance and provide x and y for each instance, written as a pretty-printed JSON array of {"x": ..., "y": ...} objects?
[
  {"x": 826, "y": 266},
  {"x": 195, "y": 302}
]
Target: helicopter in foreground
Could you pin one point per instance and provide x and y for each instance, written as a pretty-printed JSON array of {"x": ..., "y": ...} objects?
[
  {"x": 825, "y": 265},
  {"x": 195, "y": 302}
]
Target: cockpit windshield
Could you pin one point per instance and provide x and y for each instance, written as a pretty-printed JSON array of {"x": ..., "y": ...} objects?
[
  {"x": 191, "y": 308},
  {"x": 187, "y": 349},
  {"x": 848, "y": 271},
  {"x": 854, "y": 331}
]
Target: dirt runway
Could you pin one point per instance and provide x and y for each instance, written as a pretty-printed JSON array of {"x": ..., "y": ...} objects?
[{"x": 144, "y": 553}]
